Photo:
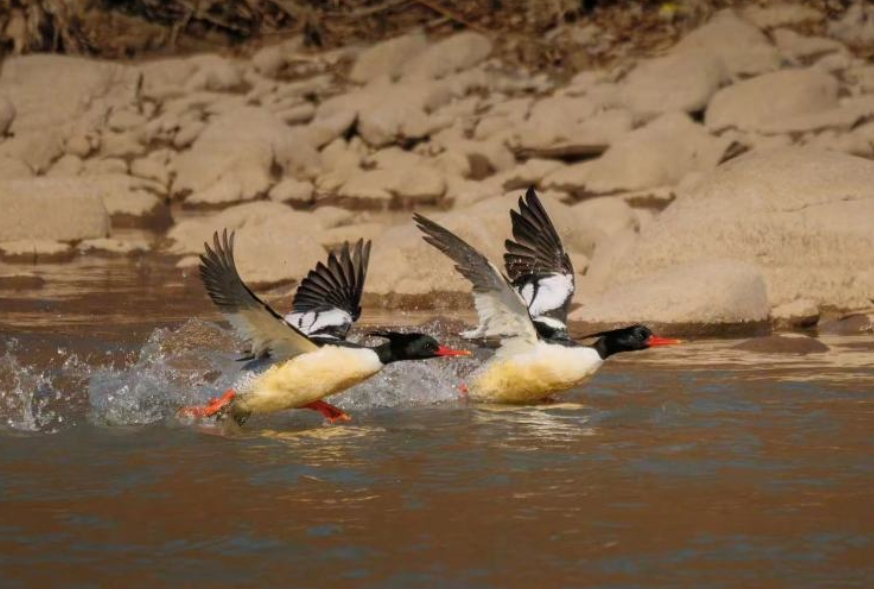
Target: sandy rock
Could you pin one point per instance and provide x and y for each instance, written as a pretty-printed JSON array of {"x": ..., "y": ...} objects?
[
  {"x": 565, "y": 126},
  {"x": 152, "y": 167},
  {"x": 742, "y": 47},
  {"x": 14, "y": 169},
  {"x": 82, "y": 143},
  {"x": 130, "y": 202},
  {"x": 67, "y": 165},
  {"x": 239, "y": 148},
  {"x": 652, "y": 198},
  {"x": 387, "y": 59},
  {"x": 341, "y": 156},
  {"x": 390, "y": 112},
  {"x": 214, "y": 73},
  {"x": 852, "y": 324},
  {"x": 36, "y": 148},
  {"x": 222, "y": 193},
  {"x": 484, "y": 157},
  {"x": 677, "y": 82},
  {"x": 187, "y": 133},
  {"x": 862, "y": 77},
  {"x": 7, "y": 115},
  {"x": 455, "y": 53},
  {"x": 31, "y": 83},
  {"x": 330, "y": 217},
  {"x": 101, "y": 166},
  {"x": 805, "y": 217},
  {"x": 599, "y": 218},
  {"x": 783, "y": 344},
  {"x": 846, "y": 115},
  {"x": 856, "y": 26},
  {"x": 293, "y": 192},
  {"x": 507, "y": 114},
  {"x": 125, "y": 120},
  {"x": 61, "y": 209},
  {"x": 368, "y": 189},
  {"x": 798, "y": 314},
  {"x": 797, "y": 47},
  {"x": 528, "y": 174},
  {"x": 760, "y": 101},
  {"x": 296, "y": 115},
  {"x": 336, "y": 236},
  {"x": 659, "y": 154},
  {"x": 121, "y": 145},
  {"x": 274, "y": 243},
  {"x": 780, "y": 14},
  {"x": 609, "y": 252},
  {"x": 33, "y": 251},
  {"x": 110, "y": 246},
  {"x": 702, "y": 297},
  {"x": 271, "y": 61},
  {"x": 334, "y": 117}
]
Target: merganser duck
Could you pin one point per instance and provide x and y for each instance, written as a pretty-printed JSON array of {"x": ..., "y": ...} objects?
[
  {"x": 539, "y": 269},
  {"x": 530, "y": 364},
  {"x": 306, "y": 368}
]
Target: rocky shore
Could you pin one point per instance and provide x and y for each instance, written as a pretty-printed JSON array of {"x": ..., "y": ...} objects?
[{"x": 723, "y": 185}]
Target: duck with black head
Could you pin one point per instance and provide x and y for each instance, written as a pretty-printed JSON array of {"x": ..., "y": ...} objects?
[
  {"x": 305, "y": 369},
  {"x": 536, "y": 357}
]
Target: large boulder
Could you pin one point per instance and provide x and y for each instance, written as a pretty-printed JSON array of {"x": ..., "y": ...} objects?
[
  {"x": 705, "y": 297},
  {"x": 755, "y": 104},
  {"x": 32, "y": 82},
  {"x": 680, "y": 81},
  {"x": 387, "y": 59},
  {"x": 805, "y": 217},
  {"x": 233, "y": 158},
  {"x": 656, "y": 155},
  {"x": 59, "y": 209},
  {"x": 275, "y": 244},
  {"x": 742, "y": 47}
]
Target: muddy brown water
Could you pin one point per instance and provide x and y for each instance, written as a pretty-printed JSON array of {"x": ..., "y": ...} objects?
[{"x": 698, "y": 466}]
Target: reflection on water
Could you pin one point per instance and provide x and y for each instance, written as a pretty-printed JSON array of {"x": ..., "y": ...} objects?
[{"x": 695, "y": 466}]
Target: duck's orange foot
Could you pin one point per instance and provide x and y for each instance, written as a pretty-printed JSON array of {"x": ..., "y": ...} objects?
[
  {"x": 465, "y": 392},
  {"x": 213, "y": 407},
  {"x": 331, "y": 413}
]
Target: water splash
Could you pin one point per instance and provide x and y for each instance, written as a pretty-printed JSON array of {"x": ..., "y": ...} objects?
[{"x": 39, "y": 400}]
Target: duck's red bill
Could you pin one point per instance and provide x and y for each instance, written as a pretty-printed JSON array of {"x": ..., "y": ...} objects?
[
  {"x": 655, "y": 341},
  {"x": 445, "y": 351}
]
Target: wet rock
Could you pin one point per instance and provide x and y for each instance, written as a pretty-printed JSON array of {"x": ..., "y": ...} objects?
[
  {"x": 659, "y": 154},
  {"x": 847, "y": 325},
  {"x": 455, "y": 53},
  {"x": 387, "y": 59},
  {"x": 856, "y": 26},
  {"x": 59, "y": 209},
  {"x": 7, "y": 115},
  {"x": 742, "y": 47},
  {"x": 783, "y": 344},
  {"x": 678, "y": 82},
  {"x": 33, "y": 251},
  {"x": 292, "y": 191},
  {"x": 781, "y": 14},
  {"x": 760, "y": 101},
  {"x": 805, "y": 217},
  {"x": 111, "y": 246},
  {"x": 799, "y": 314},
  {"x": 702, "y": 297}
]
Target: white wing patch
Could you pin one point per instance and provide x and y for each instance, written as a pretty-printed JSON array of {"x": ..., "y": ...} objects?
[
  {"x": 311, "y": 322},
  {"x": 552, "y": 292}
]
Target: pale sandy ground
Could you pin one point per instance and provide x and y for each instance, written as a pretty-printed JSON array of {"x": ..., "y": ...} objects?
[{"x": 725, "y": 183}]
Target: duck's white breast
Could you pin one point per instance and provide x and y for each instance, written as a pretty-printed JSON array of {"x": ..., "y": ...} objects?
[
  {"x": 310, "y": 377},
  {"x": 530, "y": 376}
]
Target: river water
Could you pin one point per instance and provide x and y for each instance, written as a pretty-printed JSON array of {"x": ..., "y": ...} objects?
[{"x": 697, "y": 466}]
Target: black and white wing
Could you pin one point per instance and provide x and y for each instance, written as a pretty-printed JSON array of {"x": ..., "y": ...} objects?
[
  {"x": 539, "y": 268},
  {"x": 253, "y": 319},
  {"x": 500, "y": 308},
  {"x": 328, "y": 300}
]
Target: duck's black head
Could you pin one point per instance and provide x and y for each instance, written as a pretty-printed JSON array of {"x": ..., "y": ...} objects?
[
  {"x": 629, "y": 339},
  {"x": 411, "y": 346}
]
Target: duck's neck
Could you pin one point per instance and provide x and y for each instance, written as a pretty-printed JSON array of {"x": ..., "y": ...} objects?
[
  {"x": 603, "y": 348},
  {"x": 386, "y": 354}
]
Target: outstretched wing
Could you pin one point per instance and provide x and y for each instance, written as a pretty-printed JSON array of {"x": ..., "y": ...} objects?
[
  {"x": 538, "y": 266},
  {"x": 328, "y": 300},
  {"x": 251, "y": 318},
  {"x": 500, "y": 308}
]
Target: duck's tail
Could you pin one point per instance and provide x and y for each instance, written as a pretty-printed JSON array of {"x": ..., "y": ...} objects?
[{"x": 217, "y": 406}]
